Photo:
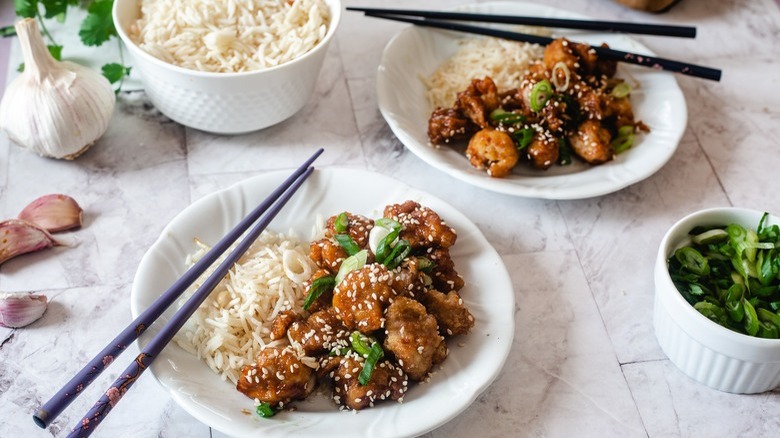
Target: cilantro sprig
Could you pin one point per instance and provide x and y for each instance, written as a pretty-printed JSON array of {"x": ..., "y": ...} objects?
[{"x": 96, "y": 29}]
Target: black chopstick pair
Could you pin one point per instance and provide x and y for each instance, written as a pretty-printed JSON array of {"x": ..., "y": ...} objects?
[
  {"x": 262, "y": 215},
  {"x": 432, "y": 19}
]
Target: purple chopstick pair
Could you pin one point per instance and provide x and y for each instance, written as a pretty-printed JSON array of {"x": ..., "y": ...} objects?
[{"x": 51, "y": 409}]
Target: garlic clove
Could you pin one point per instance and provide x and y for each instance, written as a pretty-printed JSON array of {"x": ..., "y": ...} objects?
[
  {"x": 19, "y": 310},
  {"x": 53, "y": 213},
  {"x": 19, "y": 237},
  {"x": 55, "y": 108}
]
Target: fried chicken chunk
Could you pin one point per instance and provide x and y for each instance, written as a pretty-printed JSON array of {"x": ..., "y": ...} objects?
[
  {"x": 494, "y": 151},
  {"x": 448, "y": 124},
  {"x": 282, "y": 322},
  {"x": 319, "y": 333},
  {"x": 422, "y": 227},
  {"x": 443, "y": 275},
  {"x": 361, "y": 297},
  {"x": 327, "y": 254},
  {"x": 277, "y": 378},
  {"x": 406, "y": 279},
  {"x": 478, "y": 100},
  {"x": 413, "y": 337},
  {"x": 592, "y": 142},
  {"x": 358, "y": 228},
  {"x": 452, "y": 315},
  {"x": 388, "y": 382}
]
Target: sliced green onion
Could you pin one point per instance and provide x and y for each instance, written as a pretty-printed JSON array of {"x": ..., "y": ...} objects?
[
  {"x": 751, "y": 318},
  {"x": 523, "y": 137},
  {"x": 425, "y": 264},
  {"x": 540, "y": 94},
  {"x": 621, "y": 90},
  {"x": 388, "y": 223},
  {"x": 624, "y": 139},
  {"x": 318, "y": 287},
  {"x": 359, "y": 343},
  {"x": 400, "y": 251},
  {"x": 711, "y": 311},
  {"x": 341, "y": 223},
  {"x": 374, "y": 355},
  {"x": 502, "y": 116},
  {"x": 692, "y": 260},
  {"x": 767, "y": 330},
  {"x": 265, "y": 410},
  {"x": 347, "y": 243},
  {"x": 564, "y": 152},
  {"x": 768, "y": 316},
  {"x": 350, "y": 264},
  {"x": 715, "y": 235},
  {"x": 384, "y": 248}
]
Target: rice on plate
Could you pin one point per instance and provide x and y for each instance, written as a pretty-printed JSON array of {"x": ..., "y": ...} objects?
[
  {"x": 234, "y": 323},
  {"x": 229, "y": 35}
]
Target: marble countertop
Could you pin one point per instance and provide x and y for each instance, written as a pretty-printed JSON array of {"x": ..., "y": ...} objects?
[{"x": 585, "y": 361}]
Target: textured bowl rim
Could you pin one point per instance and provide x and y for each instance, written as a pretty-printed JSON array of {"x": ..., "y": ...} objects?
[
  {"x": 700, "y": 323},
  {"x": 335, "y": 10}
]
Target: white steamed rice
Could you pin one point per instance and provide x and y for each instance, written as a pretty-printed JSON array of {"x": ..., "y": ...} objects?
[
  {"x": 233, "y": 324},
  {"x": 506, "y": 62},
  {"x": 229, "y": 35}
]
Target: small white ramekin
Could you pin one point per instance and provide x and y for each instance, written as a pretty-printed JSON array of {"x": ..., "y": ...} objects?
[
  {"x": 705, "y": 351},
  {"x": 226, "y": 103}
]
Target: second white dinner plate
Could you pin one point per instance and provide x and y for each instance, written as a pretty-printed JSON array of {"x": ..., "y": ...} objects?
[{"x": 416, "y": 52}]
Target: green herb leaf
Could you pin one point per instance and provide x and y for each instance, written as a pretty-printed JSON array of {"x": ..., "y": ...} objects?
[
  {"x": 20, "y": 68},
  {"x": 26, "y": 8},
  {"x": 56, "y": 52},
  {"x": 98, "y": 26},
  {"x": 7, "y": 31},
  {"x": 115, "y": 72},
  {"x": 318, "y": 287},
  {"x": 55, "y": 8}
]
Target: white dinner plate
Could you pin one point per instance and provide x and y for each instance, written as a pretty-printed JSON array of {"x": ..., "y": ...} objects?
[
  {"x": 474, "y": 361},
  {"x": 416, "y": 52}
]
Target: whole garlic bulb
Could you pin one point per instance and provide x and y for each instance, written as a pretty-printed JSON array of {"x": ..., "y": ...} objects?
[{"x": 57, "y": 109}]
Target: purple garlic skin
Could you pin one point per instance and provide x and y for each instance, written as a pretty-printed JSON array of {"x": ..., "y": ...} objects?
[
  {"x": 19, "y": 310},
  {"x": 19, "y": 237},
  {"x": 53, "y": 213}
]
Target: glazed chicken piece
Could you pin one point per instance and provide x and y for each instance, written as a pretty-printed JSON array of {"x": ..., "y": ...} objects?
[
  {"x": 543, "y": 151},
  {"x": 319, "y": 333},
  {"x": 422, "y": 227},
  {"x": 413, "y": 337},
  {"x": 592, "y": 142},
  {"x": 388, "y": 382},
  {"x": 406, "y": 279},
  {"x": 591, "y": 102},
  {"x": 478, "y": 100},
  {"x": 591, "y": 64},
  {"x": 621, "y": 110},
  {"x": 282, "y": 322},
  {"x": 358, "y": 228},
  {"x": 443, "y": 275},
  {"x": 360, "y": 299},
  {"x": 277, "y": 378},
  {"x": 448, "y": 124},
  {"x": 450, "y": 312},
  {"x": 494, "y": 151},
  {"x": 560, "y": 50},
  {"x": 327, "y": 254}
]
